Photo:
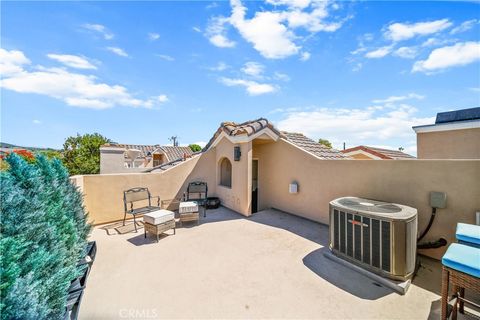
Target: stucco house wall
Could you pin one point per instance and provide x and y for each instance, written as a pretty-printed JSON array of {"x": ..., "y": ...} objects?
[
  {"x": 320, "y": 181},
  {"x": 402, "y": 181},
  {"x": 238, "y": 197},
  {"x": 451, "y": 144}
]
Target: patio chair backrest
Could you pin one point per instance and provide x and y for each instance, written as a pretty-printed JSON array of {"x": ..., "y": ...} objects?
[
  {"x": 197, "y": 190},
  {"x": 136, "y": 194}
]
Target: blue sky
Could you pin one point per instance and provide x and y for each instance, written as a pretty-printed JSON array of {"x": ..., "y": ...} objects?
[{"x": 354, "y": 72}]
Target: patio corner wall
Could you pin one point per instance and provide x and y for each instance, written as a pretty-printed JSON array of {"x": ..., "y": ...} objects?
[
  {"x": 103, "y": 193},
  {"x": 401, "y": 181}
]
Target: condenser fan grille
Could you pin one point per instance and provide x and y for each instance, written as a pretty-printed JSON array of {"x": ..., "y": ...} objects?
[{"x": 370, "y": 206}]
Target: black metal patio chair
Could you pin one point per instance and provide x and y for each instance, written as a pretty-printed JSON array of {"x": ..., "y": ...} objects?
[
  {"x": 197, "y": 191},
  {"x": 134, "y": 195}
]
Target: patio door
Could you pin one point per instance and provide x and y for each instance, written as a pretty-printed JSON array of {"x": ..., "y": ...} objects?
[{"x": 254, "y": 186}]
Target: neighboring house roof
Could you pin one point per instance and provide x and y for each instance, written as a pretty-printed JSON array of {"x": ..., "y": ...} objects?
[
  {"x": 171, "y": 152},
  {"x": 254, "y": 127},
  {"x": 174, "y": 153},
  {"x": 381, "y": 153},
  {"x": 453, "y": 120},
  {"x": 311, "y": 146}
]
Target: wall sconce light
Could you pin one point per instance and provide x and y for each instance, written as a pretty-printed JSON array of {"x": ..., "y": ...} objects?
[
  {"x": 236, "y": 153},
  {"x": 293, "y": 187}
]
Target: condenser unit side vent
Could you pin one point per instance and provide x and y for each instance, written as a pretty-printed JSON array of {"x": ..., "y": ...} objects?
[{"x": 376, "y": 235}]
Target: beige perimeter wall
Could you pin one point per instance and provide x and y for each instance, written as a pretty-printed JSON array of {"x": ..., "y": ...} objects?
[
  {"x": 103, "y": 193},
  {"x": 406, "y": 182},
  {"x": 320, "y": 181},
  {"x": 453, "y": 144}
]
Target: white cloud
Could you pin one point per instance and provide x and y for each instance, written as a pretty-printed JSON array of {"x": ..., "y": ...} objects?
[
  {"x": 300, "y": 4},
  {"x": 118, "y": 51},
  {"x": 253, "y": 69},
  {"x": 406, "y": 52},
  {"x": 305, "y": 56},
  {"x": 221, "y": 41},
  {"x": 460, "y": 54},
  {"x": 367, "y": 126},
  {"x": 253, "y": 88},
  {"x": 404, "y": 31},
  {"x": 221, "y": 66},
  {"x": 162, "y": 98},
  {"x": 152, "y": 36},
  {"x": 265, "y": 31},
  {"x": 197, "y": 29},
  {"x": 78, "y": 90},
  {"x": 392, "y": 99},
  {"x": 211, "y": 5},
  {"x": 165, "y": 57},
  {"x": 73, "y": 61},
  {"x": 272, "y": 33},
  {"x": 281, "y": 76},
  {"x": 475, "y": 89},
  {"x": 98, "y": 28},
  {"x": 12, "y": 62},
  {"x": 217, "y": 34},
  {"x": 35, "y": 121},
  {"x": 465, "y": 26},
  {"x": 379, "y": 53},
  {"x": 357, "y": 67}
]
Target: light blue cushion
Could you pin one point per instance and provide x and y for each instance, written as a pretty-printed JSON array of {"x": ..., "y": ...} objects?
[
  {"x": 468, "y": 233},
  {"x": 463, "y": 258}
]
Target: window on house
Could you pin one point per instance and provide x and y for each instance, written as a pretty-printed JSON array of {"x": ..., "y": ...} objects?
[
  {"x": 158, "y": 159},
  {"x": 226, "y": 173}
]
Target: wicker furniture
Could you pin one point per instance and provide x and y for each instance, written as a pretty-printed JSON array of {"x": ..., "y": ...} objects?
[
  {"x": 188, "y": 211},
  {"x": 461, "y": 269},
  {"x": 157, "y": 222},
  {"x": 135, "y": 195}
]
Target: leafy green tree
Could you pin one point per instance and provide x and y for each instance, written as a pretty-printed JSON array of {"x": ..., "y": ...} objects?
[
  {"x": 51, "y": 153},
  {"x": 325, "y": 142},
  {"x": 43, "y": 234},
  {"x": 81, "y": 154},
  {"x": 195, "y": 147}
]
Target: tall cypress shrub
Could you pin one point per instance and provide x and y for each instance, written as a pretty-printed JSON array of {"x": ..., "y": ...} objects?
[{"x": 43, "y": 235}]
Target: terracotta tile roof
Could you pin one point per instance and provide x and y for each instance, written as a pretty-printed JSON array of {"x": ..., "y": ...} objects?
[
  {"x": 237, "y": 129},
  {"x": 311, "y": 146},
  {"x": 251, "y": 127},
  {"x": 386, "y": 154},
  {"x": 172, "y": 153}
]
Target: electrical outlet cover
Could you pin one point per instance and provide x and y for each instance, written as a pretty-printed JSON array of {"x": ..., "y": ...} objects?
[{"x": 438, "y": 199}]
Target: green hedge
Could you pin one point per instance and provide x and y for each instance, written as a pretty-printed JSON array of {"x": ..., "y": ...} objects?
[{"x": 42, "y": 237}]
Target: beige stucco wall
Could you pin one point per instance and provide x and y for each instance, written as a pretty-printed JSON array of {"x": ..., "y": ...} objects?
[
  {"x": 401, "y": 181},
  {"x": 238, "y": 197},
  {"x": 104, "y": 192},
  {"x": 453, "y": 144},
  {"x": 320, "y": 181}
]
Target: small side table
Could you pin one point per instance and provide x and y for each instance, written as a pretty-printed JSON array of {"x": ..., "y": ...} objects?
[
  {"x": 188, "y": 211},
  {"x": 159, "y": 221}
]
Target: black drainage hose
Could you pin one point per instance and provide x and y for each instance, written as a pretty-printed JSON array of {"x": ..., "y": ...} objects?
[
  {"x": 432, "y": 217},
  {"x": 433, "y": 244}
]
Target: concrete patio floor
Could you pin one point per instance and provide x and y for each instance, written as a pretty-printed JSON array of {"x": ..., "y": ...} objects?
[{"x": 270, "y": 265}]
